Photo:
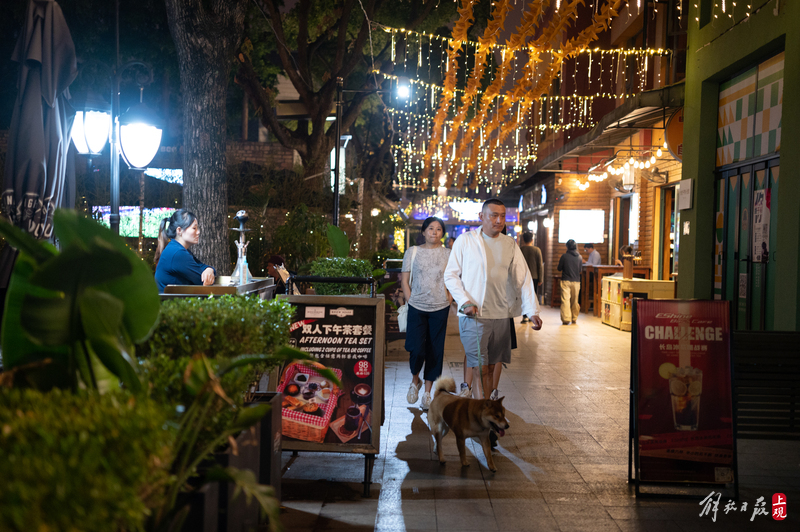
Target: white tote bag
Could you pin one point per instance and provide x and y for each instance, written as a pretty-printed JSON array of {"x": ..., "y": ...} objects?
[{"x": 402, "y": 312}]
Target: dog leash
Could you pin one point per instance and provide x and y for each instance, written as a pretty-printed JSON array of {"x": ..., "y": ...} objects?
[{"x": 478, "y": 342}]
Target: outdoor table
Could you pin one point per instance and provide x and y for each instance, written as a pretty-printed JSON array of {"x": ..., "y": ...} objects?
[
  {"x": 594, "y": 274},
  {"x": 263, "y": 286}
]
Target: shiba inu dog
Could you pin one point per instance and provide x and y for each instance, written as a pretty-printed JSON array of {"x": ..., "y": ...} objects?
[{"x": 467, "y": 418}]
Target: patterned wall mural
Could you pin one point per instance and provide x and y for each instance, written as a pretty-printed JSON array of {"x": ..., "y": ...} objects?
[{"x": 749, "y": 120}]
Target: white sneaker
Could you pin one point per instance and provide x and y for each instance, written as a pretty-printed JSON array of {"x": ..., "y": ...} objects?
[
  {"x": 466, "y": 391},
  {"x": 426, "y": 401},
  {"x": 413, "y": 392},
  {"x": 494, "y": 395}
]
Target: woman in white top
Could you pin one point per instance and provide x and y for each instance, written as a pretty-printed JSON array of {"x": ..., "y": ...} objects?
[{"x": 428, "y": 307}]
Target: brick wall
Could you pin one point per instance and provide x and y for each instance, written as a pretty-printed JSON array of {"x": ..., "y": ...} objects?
[{"x": 271, "y": 155}]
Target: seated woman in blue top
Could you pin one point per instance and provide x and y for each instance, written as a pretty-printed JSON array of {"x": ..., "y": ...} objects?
[{"x": 175, "y": 264}]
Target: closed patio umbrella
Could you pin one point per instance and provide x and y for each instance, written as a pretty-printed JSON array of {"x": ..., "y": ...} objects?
[
  {"x": 42, "y": 119},
  {"x": 41, "y": 124}
]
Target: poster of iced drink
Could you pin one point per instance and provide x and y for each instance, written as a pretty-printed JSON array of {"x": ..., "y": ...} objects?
[
  {"x": 315, "y": 409},
  {"x": 684, "y": 425}
]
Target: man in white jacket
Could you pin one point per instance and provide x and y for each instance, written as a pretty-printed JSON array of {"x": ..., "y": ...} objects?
[{"x": 490, "y": 282}]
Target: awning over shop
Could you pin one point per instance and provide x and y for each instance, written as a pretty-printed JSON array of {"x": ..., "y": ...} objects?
[{"x": 647, "y": 110}]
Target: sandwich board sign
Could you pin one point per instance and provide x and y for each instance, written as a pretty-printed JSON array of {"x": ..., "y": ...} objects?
[
  {"x": 344, "y": 334},
  {"x": 682, "y": 423}
]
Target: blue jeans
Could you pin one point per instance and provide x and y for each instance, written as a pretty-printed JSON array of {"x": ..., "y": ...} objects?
[{"x": 425, "y": 333}]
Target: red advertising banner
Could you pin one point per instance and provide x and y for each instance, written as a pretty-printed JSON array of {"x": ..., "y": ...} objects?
[{"x": 684, "y": 421}]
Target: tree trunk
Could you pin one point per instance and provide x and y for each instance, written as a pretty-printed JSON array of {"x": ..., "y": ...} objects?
[{"x": 206, "y": 34}]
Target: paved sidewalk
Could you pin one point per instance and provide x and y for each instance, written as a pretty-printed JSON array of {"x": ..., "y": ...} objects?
[{"x": 562, "y": 465}]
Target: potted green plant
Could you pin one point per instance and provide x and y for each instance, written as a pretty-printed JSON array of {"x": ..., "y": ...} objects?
[
  {"x": 72, "y": 320},
  {"x": 340, "y": 265}
]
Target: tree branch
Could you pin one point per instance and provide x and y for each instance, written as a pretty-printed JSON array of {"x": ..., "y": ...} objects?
[
  {"x": 302, "y": 39},
  {"x": 341, "y": 38},
  {"x": 426, "y": 10},
  {"x": 248, "y": 79},
  {"x": 358, "y": 45},
  {"x": 303, "y": 89}
]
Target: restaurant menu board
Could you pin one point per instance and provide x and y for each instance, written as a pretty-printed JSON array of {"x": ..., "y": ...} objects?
[
  {"x": 684, "y": 422},
  {"x": 343, "y": 339}
]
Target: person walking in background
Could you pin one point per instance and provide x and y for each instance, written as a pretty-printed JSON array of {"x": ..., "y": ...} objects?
[
  {"x": 422, "y": 280},
  {"x": 533, "y": 258},
  {"x": 594, "y": 256},
  {"x": 570, "y": 265},
  {"x": 490, "y": 281}
]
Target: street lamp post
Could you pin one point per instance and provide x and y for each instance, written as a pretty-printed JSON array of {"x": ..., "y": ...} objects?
[
  {"x": 339, "y": 87},
  {"x": 135, "y": 134}
]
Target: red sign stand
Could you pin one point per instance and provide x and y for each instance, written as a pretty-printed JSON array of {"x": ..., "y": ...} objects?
[{"x": 681, "y": 419}]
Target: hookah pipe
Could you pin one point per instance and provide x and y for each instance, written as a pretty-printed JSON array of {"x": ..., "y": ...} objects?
[{"x": 241, "y": 245}]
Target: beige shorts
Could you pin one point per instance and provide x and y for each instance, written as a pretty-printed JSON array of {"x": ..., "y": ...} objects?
[{"x": 495, "y": 340}]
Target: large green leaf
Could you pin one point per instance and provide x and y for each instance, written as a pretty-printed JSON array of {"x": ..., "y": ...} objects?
[
  {"x": 18, "y": 349},
  {"x": 48, "y": 320},
  {"x": 76, "y": 267},
  {"x": 244, "y": 360},
  {"x": 105, "y": 379},
  {"x": 196, "y": 375},
  {"x": 250, "y": 415},
  {"x": 340, "y": 245},
  {"x": 38, "y": 250},
  {"x": 138, "y": 291},
  {"x": 101, "y": 313},
  {"x": 111, "y": 354},
  {"x": 82, "y": 359}
]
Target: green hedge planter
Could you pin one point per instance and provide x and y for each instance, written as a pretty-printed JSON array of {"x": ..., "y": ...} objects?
[{"x": 82, "y": 461}]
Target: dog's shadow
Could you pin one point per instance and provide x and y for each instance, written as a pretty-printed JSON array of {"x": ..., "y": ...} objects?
[
  {"x": 418, "y": 451},
  {"x": 512, "y": 455}
]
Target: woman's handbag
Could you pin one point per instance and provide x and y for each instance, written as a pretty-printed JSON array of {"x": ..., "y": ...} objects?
[{"x": 402, "y": 312}]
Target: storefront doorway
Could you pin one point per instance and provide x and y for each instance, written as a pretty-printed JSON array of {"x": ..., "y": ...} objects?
[
  {"x": 670, "y": 234},
  {"x": 745, "y": 241}
]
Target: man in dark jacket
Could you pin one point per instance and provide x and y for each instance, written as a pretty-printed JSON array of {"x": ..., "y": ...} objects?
[
  {"x": 570, "y": 265},
  {"x": 533, "y": 257}
]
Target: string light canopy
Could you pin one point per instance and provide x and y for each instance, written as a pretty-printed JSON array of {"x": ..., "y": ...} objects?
[{"x": 472, "y": 135}]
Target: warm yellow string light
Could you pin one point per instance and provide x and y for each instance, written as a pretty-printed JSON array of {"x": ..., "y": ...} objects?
[{"x": 500, "y": 47}]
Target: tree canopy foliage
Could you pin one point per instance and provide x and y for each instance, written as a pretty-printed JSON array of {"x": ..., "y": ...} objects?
[{"x": 318, "y": 41}]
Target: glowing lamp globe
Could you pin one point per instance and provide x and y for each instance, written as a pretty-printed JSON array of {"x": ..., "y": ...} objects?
[
  {"x": 139, "y": 136},
  {"x": 90, "y": 131}
]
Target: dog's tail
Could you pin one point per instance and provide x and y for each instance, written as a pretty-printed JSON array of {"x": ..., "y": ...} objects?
[{"x": 444, "y": 384}]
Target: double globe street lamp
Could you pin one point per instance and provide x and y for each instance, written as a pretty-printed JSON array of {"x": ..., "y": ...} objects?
[{"x": 136, "y": 134}]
